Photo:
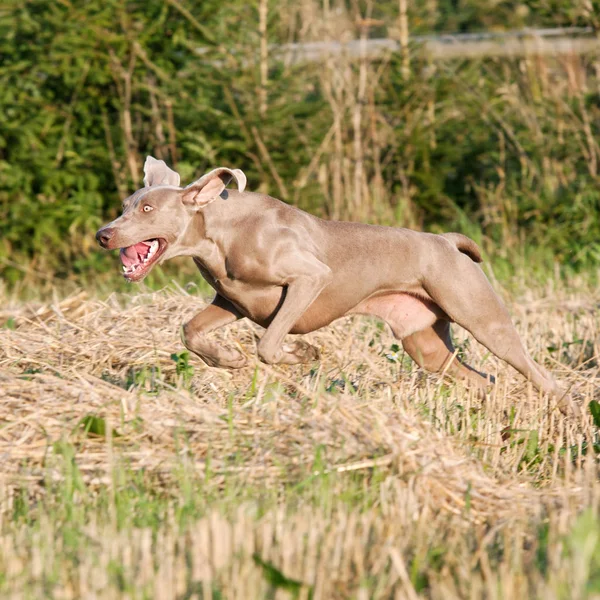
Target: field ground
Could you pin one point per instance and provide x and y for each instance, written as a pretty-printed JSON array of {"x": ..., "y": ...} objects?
[{"x": 129, "y": 469}]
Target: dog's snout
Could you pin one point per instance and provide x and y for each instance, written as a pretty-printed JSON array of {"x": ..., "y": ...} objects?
[{"x": 104, "y": 236}]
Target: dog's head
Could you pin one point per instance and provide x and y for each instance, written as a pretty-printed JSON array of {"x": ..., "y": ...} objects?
[{"x": 156, "y": 217}]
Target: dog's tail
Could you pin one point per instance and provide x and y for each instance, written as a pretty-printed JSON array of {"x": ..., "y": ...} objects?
[{"x": 465, "y": 245}]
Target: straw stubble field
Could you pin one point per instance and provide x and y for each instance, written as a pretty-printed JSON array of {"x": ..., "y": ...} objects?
[{"x": 129, "y": 469}]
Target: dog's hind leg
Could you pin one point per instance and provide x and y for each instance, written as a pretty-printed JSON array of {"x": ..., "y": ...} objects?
[
  {"x": 432, "y": 349},
  {"x": 425, "y": 333},
  {"x": 460, "y": 288}
]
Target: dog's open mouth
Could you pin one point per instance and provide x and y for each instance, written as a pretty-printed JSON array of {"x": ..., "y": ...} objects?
[{"x": 140, "y": 258}]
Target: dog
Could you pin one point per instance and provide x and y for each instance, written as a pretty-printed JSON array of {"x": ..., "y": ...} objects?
[{"x": 292, "y": 272}]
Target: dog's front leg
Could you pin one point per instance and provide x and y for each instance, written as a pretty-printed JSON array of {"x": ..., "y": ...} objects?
[
  {"x": 302, "y": 288},
  {"x": 194, "y": 335}
]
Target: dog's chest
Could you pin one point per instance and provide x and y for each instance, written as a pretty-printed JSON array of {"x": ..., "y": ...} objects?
[
  {"x": 213, "y": 273},
  {"x": 258, "y": 302}
]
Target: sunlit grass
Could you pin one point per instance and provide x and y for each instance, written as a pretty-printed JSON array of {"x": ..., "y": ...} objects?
[{"x": 132, "y": 470}]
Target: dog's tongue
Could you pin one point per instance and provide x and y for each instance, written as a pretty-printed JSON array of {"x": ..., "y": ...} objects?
[{"x": 134, "y": 254}]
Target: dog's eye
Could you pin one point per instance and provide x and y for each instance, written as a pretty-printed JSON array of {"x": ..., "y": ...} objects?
[{"x": 147, "y": 208}]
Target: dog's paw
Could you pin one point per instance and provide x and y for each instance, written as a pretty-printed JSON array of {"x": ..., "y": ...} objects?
[
  {"x": 300, "y": 351},
  {"x": 229, "y": 358},
  {"x": 569, "y": 407},
  {"x": 234, "y": 359}
]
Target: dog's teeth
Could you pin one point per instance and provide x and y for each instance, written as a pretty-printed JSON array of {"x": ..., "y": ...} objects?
[{"x": 133, "y": 268}]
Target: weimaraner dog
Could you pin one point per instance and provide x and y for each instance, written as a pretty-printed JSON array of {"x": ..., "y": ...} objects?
[{"x": 291, "y": 272}]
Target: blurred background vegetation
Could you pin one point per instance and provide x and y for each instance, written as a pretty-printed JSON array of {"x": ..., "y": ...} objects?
[{"x": 501, "y": 148}]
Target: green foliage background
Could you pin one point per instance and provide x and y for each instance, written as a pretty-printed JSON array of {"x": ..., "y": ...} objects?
[{"x": 502, "y": 149}]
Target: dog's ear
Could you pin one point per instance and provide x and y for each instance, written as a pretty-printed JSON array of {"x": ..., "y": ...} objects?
[
  {"x": 156, "y": 172},
  {"x": 211, "y": 185}
]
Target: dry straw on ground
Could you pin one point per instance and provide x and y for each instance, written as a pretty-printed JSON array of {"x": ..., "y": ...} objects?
[{"x": 435, "y": 468}]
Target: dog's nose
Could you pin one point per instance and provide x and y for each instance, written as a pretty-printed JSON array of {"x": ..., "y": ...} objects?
[{"x": 104, "y": 236}]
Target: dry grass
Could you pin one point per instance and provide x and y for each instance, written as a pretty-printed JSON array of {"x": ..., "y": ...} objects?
[{"x": 359, "y": 477}]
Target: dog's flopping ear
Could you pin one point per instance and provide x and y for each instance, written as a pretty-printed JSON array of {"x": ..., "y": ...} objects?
[
  {"x": 156, "y": 172},
  {"x": 211, "y": 185}
]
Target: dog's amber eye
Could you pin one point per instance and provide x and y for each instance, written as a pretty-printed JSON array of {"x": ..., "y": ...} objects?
[{"x": 147, "y": 208}]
